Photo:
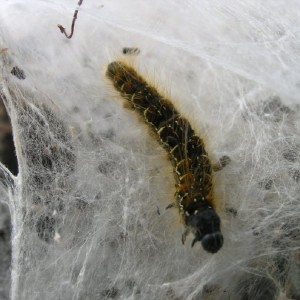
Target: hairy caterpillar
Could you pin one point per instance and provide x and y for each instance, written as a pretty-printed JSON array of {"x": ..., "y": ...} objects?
[{"x": 192, "y": 167}]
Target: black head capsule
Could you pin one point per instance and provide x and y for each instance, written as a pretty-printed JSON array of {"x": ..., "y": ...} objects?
[{"x": 206, "y": 228}]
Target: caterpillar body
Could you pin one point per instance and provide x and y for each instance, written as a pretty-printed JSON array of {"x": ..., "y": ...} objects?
[{"x": 192, "y": 167}]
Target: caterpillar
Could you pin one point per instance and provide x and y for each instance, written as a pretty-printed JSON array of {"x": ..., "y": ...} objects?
[{"x": 192, "y": 167}]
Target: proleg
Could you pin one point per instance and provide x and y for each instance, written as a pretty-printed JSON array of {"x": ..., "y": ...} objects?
[{"x": 192, "y": 167}]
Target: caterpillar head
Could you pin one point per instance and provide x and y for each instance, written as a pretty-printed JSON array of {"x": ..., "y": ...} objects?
[{"x": 206, "y": 228}]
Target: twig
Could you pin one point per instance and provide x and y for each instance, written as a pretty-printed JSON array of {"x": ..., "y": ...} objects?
[{"x": 63, "y": 30}]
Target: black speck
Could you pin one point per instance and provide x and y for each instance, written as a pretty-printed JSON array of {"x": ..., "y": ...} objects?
[
  {"x": 110, "y": 293},
  {"x": 224, "y": 160},
  {"x": 209, "y": 289},
  {"x": 16, "y": 71},
  {"x": 47, "y": 162},
  {"x": 256, "y": 231},
  {"x": 98, "y": 196},
  {"x": 41, "y": 181},
  {"x": 290, "y": 156},
  {"x": 105, "y": 167},
  {"x": 76, "y": 109},
  {"x": 293, "y": 233},
  {"x": 123, "y": 236},
  {"x": 81, "y": 204},
  {"x": 266, "y": 184},
  {"x": 60, "y": 205},
  {"x": 171, "y": 295},
  {"x": 131, "y": 51},
  {"x": 114, "y": 244},
  {"x": 36, "y": 200},
  {"x": 138, "y": 292},
  {"x": 130, "y": 283},
  {"x": 232, "y": 211}
]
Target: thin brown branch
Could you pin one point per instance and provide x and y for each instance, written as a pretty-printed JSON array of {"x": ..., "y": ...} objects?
[{"x": 63, "y": 30}]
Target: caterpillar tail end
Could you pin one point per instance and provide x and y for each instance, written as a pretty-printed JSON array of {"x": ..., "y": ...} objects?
[
  {"x": 123, "y": 77},
  {"x": 112, "y": 69}
]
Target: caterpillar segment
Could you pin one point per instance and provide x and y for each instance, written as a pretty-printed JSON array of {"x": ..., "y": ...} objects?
[{"x": 192, "y": 167}]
